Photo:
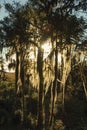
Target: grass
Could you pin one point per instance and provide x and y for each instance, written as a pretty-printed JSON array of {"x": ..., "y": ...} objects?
[{"x": 10, "y": 76}]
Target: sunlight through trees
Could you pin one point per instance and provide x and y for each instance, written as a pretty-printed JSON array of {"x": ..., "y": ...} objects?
[{"x": 47, "y": 41}]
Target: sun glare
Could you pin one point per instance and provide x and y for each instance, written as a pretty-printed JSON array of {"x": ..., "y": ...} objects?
[
  {"x": 59, "y": 58},
  {"x": 31, "y": 56},
  {"x": 47, "y": 48}
]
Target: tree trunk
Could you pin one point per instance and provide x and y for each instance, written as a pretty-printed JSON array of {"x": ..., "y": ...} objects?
[
  {"x": 16, "y": 71},
  {"x": 47, "y": 107},
  {"x": 22, "y": 76},
  {"x": 41, "y": 91},
  {"x": 54, "y": 91},
  {"x": 83, "y": 79}
]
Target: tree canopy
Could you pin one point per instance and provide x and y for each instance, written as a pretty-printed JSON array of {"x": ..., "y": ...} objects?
[{"x": 25, "y": 30}]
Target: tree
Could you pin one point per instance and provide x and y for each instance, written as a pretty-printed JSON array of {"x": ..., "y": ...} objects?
[
  {"x": 40, "y": 20},
  {"x": 58, "y": 16},
  {"x": 16, "y": 36}
]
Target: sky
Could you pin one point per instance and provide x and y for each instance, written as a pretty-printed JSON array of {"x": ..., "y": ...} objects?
[{"x": 2, "y": 11}]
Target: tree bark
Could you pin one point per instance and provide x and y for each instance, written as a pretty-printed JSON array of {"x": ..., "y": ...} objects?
[
  {"x": 41, "y": 90},
  {"x": 16, "y": 71},
  {"x": 54, "y": 91}
]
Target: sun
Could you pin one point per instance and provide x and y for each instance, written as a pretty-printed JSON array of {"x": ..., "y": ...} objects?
[{"x": 47, "y": 47}]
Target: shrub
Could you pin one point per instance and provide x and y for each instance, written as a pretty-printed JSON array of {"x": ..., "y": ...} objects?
[
  {"x": 31, "y": 121},
  {"x": 4, "y": 116},
  {"x": 17, "y": 118},
  {"x": 31, "y": 104},
  {"x": 58, "y": 125}
]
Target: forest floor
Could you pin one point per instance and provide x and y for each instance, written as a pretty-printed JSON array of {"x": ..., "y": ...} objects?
[{"x": 74, "y": 118}]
